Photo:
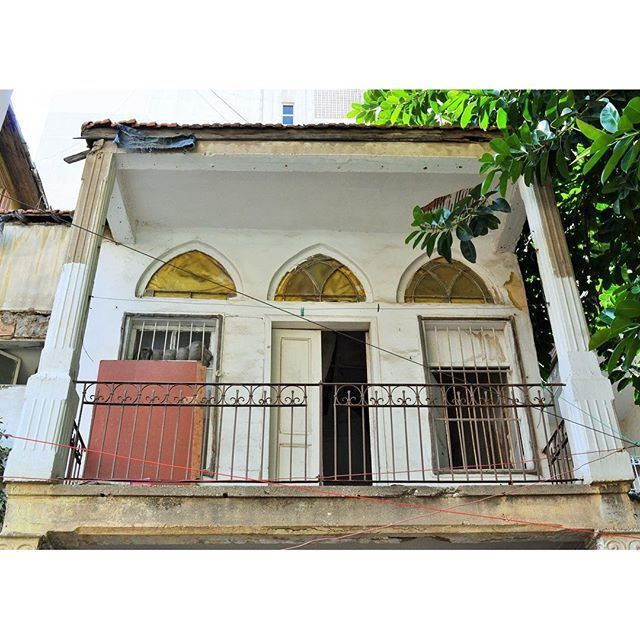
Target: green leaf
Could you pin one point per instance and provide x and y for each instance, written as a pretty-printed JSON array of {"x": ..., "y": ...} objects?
[
  {"x": 468, "y": 250},
  {"x": 599, "y": 338},
  {"x": 463, "y": 232},
  {"x": 632, "y": 110},
  {"x": 618, "y": 151},
  {"x": 628, "y": 307},
  {"x": 479, "y": 226},
  {"x": 431, "y": 243},
  {"x": 501, "y": 146},
  {"x": 561, "y": 164},
  {"x": 609, "y": 118},
  {"x": 630, "y": 157},
  {"x": 502, "y": 123},
  {"x": 504, "y": 181},
  {"x": 444, "y": 245},
  {"x": 614, "y": 360},
  {"x": 500, "y": 204},
  {"x": 620, "y": 323},
  {"x": 544, "y": 161},
  {"x": 411, "y": 236},
  {"x": 488, "y": 181},
  {"x": 588, "y": 130},
  {"x": 467, "y": 114},
  {"x": 593, "y": 161}
]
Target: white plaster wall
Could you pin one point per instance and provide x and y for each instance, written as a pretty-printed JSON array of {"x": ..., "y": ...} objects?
[
  {"x": 378, "y": 259},
  {"x": 31, "y": 257}
]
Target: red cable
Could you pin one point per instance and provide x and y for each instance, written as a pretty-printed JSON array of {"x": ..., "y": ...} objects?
[{"x": 372, "y": 498}]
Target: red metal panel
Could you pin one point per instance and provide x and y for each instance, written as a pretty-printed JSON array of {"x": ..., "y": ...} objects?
[{"x": 147, "y": 431}]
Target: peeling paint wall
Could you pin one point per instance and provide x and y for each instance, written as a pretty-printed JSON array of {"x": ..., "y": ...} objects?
[
  {"x": 23, "y": 325},
  {"x": 31, "y": 257}
]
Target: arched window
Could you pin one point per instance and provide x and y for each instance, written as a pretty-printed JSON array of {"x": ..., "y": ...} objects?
[
  {"x": 441, "y": 281},
  {"x": 193, "y": 274},
  {"x": 320, "y": 279}
]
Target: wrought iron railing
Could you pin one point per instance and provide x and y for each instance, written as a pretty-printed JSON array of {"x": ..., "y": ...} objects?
[
  {"x": 319, "y": 433},
  {"x": 559, "y": 454},
  {"x": 77, "y": 448}
]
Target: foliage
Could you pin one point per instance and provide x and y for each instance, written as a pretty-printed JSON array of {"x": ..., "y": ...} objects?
[
  {"x": 586, "y": 144},
  {"x": 620, "y": 329}
]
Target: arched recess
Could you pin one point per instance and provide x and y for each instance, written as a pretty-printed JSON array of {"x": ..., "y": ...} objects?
[
  {"x": 318, "y": 275},
  {"x": 194, "y": 270},
  {"x": 440, "y": 282}
]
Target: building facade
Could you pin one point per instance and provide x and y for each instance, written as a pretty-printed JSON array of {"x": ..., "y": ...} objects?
[{"x": 251, "y": 354}]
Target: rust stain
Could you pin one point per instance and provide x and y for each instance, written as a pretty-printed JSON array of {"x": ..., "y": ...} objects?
[{"x": 516, "y": 291}]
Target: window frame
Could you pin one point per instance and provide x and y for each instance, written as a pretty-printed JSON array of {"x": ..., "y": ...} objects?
[
  {"x": 284, "y": 115},
  {"x": 515, "y": 375},
  {"x": 127, "y": 334}
]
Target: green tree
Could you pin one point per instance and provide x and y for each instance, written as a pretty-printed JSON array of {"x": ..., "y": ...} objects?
[{"x": 586, "y": 144}]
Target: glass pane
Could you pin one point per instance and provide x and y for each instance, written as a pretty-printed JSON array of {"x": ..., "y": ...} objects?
[
  {"x": 320, "y": 278},
  {"x": 467, "y": 290},
  {"x": 287, "y": 119},
  {"x": 191, "y": 274},
  {"x": 287, "y": 109},
  {"x": 440, "y": 281}
]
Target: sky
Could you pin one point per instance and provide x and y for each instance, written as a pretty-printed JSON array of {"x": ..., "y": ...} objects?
[{"x": 50, "y": 121}]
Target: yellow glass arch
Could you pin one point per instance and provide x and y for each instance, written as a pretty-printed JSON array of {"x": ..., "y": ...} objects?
[
  {"x": 441, "y": 281},
  {"x": 193, "y": 274},
  {"x": 320, "y": 279}
]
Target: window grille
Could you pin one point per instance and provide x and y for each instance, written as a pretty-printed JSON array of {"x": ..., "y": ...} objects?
[
  {"x": 478, "y": 422},
  {"x": 157, "y": 337}
]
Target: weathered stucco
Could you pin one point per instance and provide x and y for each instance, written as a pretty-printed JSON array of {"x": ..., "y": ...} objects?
[
  {"x": 31, "y": 257},
  {"x": 97, "y": 515}
]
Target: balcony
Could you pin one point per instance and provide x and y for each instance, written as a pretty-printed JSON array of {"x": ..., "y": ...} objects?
[{"x": 321, "y": 434}]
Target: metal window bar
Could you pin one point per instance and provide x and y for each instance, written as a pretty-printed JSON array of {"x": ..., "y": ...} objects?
[{"x": 380, "y": 434}]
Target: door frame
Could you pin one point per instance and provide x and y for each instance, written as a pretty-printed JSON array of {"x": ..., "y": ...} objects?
[{"x": 340, "y": 322}]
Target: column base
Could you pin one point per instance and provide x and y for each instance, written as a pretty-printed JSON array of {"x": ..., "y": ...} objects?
[
  {"x": 14, "y": 542},
  {"x": 618, "y": 541}
]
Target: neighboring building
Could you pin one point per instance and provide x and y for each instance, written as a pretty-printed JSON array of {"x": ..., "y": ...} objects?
[
  {"x": 66, "y": 110},
  {"x": 32, "y": 246},
  {"x": 258, "y": 358}
]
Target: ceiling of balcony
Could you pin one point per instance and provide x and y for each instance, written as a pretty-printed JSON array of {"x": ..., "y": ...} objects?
[{"x": 356, "y": 201}]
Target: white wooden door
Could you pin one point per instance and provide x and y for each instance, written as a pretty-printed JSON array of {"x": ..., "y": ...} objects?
[{"x": 295, "y": 428}]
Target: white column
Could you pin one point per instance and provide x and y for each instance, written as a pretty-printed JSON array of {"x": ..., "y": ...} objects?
[
  {"x": 50, "y": 399},
  {"x": 586, "y": 401}
]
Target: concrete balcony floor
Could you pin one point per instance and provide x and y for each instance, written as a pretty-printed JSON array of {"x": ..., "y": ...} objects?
[{"x": 47, "y": 515}]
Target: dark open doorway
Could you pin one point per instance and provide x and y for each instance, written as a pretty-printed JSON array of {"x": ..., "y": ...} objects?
[{"x": 346, "y": 445}]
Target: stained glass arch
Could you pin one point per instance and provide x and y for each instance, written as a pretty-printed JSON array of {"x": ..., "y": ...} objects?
[
  {"x": 192, "y": 274},
  {"x": 320, "y": 279},
  {"x": 439, "y": 281}
]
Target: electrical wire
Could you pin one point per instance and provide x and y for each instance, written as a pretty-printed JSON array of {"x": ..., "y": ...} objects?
[
  {"x": 318, "y": 490},
  {"x": 228, "y": 105},
  {"x": 305, "y": 318}
]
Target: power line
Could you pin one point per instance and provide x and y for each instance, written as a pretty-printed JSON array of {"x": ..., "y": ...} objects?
[
  {"x": 322, "y": 491},
  {"x": 228, "y": 105},
  {"x": 309, "y": 320},
  {"x": 222, "y": 118}
]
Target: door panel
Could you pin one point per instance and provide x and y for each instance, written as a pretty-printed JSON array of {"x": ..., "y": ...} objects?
[{"x": 295, "y": 426}]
